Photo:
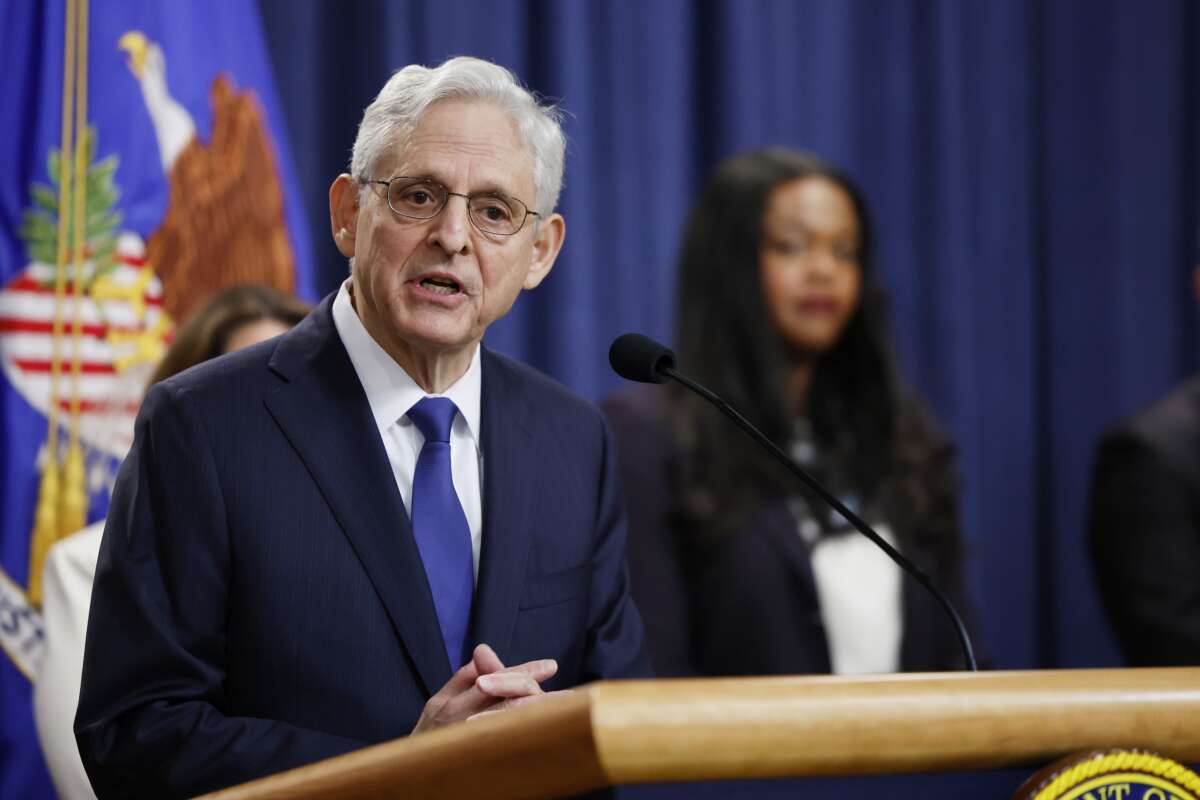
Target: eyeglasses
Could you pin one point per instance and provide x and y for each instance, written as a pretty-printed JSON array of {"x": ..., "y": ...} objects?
[{"x": 490, "y": 212}]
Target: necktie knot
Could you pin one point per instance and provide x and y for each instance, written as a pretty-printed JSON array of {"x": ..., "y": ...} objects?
[{"x": 433, "y": 416}]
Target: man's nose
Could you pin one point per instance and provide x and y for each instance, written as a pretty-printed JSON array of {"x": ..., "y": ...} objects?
[{"x": 451, "y": 229}]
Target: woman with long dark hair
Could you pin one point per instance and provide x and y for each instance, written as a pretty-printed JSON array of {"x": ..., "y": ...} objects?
[{"x": 735, "y": 568}]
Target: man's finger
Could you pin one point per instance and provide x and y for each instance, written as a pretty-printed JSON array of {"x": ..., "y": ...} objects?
[
  {"x": 461, "y": 680},
  {"x": 542, "y": 669},
  {"x": 485, "y": 660},
  {"x": 517, "y": 681},
  {"x": 505, "y": 705},
  {"x": 460, "y": 700},
  {"x": 467, "y": 703},
  {"x": 516, "y": 702},
  {"x": 508, "y": 684}
]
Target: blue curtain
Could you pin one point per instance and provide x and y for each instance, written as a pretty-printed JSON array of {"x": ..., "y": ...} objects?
[{"x": 1032, "y": 169}]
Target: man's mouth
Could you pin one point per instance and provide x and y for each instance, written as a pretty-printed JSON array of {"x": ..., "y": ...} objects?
[{"x": 441, "y": 285}]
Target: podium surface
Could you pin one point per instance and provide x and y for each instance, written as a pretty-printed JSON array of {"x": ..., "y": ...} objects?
[{"x": 716, "y": 729}]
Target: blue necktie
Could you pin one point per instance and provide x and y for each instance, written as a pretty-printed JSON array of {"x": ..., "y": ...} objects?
[{"x": 440, "y": 526}]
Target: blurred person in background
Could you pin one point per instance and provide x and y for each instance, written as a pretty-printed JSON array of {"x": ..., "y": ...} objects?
[
  {"x": 1144, "y": 528},
  {"x": 781, "y": 313},
  {"x": 235, "y": 318}
]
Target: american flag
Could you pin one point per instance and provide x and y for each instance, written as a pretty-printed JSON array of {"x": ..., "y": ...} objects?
[{"x": 123, "y": 329}]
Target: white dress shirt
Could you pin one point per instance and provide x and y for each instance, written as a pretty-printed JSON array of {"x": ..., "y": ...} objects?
[{"x": 391, "y": 392}]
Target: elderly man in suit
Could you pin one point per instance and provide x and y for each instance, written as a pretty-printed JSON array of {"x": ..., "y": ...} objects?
[{"x": 372, "y": 525}]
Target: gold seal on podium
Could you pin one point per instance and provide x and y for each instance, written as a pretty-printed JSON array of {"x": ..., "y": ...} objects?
[{"x": 1112, "y": 775}]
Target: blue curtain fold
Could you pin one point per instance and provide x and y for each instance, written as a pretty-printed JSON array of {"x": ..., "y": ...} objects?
[{"x": 1031, "y": 167}]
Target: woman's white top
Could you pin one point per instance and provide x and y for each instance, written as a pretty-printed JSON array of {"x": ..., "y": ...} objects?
[
  {"x": 859, "y": 589},
  {"x": 66, "y": 596}
]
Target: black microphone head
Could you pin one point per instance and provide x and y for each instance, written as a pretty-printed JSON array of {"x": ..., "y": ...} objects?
[{"x": 639, "y": 358}]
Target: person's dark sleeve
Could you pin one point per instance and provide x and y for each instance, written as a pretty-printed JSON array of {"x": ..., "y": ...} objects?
[
  {"x": 656, "y": 560},
  {"x": 616, "y": 646},
  {"x": 153, "y": 718},
  {"x": 1145, "y": 547},
  {"x": 923, "y": 500}
]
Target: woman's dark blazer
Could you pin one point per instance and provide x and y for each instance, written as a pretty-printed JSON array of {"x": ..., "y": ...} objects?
[{"x": 748, "y": 604}]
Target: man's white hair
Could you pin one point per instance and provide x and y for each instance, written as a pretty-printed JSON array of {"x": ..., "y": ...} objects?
[{"x": 408, "y": 94}]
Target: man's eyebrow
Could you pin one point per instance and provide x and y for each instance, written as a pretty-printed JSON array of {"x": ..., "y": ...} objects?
[
  {"x": 487, "y": 186},
  {"x": 492, "y": 188},
  {"x": 417, "y": 175}
]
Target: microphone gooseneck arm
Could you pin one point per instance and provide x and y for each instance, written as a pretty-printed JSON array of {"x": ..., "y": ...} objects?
[{"x": 863, "y": 528}]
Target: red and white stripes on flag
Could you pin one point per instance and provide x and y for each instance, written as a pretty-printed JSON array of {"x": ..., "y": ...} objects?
[{"x": 119, "y": 329}]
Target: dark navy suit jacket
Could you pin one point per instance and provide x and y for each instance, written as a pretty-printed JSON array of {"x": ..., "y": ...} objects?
[{"x": 260, "y": 602}]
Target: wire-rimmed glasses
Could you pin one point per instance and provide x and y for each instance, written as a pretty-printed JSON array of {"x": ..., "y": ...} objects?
[{"x": 420, "y": 198}]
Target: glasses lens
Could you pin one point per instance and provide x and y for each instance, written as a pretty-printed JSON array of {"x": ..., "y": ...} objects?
[
  {"x": 497, "y": 214},
  {"x": 417, "y": 199}
]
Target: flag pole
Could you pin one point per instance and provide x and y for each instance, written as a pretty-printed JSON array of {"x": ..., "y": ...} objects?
[{"x": 74, "y": 491}]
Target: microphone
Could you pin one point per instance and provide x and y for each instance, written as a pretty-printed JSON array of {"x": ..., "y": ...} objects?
[{"x": 639, "y": 358}]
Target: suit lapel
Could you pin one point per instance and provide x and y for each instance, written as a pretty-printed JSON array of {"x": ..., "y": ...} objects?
[
  {"x": 509, "y": 482},
  {"x": 778, "y": 524},
  {"x": 323, "y": 411}
]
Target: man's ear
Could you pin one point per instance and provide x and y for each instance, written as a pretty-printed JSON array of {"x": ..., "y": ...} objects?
[
  {"x": 546, "y": 243},
  {"x": 343, "y": 213}
]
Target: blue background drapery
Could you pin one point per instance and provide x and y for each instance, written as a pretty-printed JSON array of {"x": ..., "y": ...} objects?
[{"x": 1032, "y": 169}]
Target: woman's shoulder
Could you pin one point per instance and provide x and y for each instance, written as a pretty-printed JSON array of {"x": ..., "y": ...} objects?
[
  {"x": 639, "y": 415},
  {"x": 648, "y": 456},
  {"x": 917, "y": 427},
  {"x": 921, "y": 490}
]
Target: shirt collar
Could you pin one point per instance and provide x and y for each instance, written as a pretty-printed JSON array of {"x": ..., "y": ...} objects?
[{"x": 391, "y": 391}]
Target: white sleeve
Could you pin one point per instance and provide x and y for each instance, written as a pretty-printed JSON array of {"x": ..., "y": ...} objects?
[{"x": 67, "y": 592}]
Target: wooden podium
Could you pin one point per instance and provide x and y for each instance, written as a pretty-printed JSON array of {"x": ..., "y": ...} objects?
[{"x": 712, "y": 729}]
